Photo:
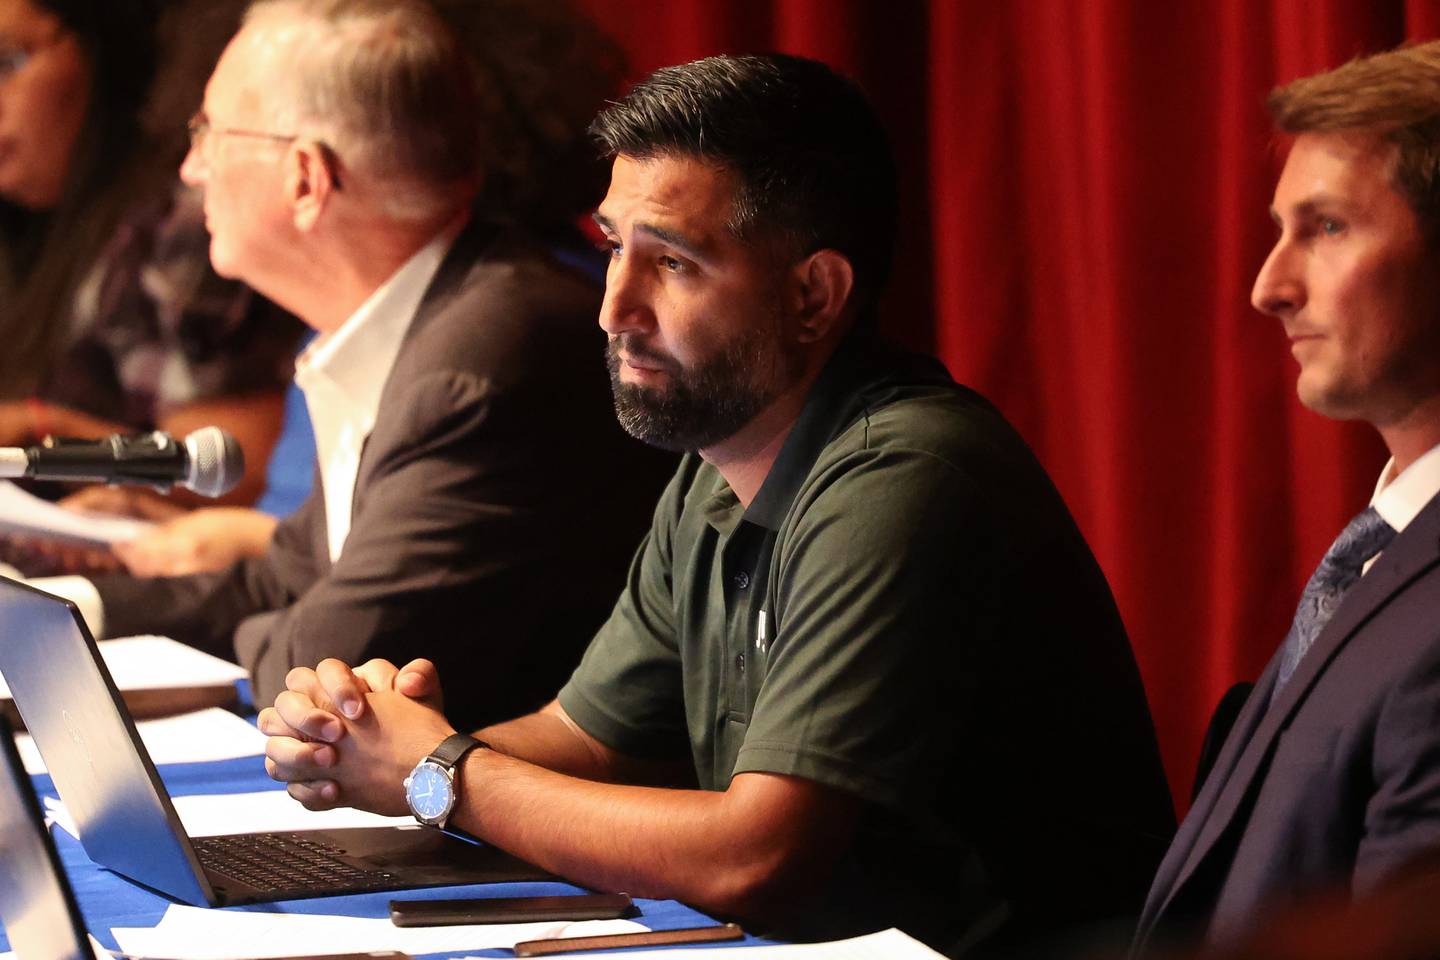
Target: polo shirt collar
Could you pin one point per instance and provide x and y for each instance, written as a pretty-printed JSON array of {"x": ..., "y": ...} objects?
[
  {"x": 838, "y": 396},
  {"x": 722, "y": 510}
]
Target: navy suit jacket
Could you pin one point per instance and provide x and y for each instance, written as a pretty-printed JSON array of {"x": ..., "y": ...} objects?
[{"x": 1337, "y": 783}]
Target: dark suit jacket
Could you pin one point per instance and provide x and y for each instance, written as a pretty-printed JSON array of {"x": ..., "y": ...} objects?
[
  {"x": 1335, "y": 784},
  {"x": 496, "y": 505}
]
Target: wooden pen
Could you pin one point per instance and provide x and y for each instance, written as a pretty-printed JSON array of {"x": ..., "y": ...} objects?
[{"x": 648, "y": 938}]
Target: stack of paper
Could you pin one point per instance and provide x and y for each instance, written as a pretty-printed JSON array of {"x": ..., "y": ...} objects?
[
  {"x": 158, "y": 677},
  {"x": 154, "y": 663},
  {"x": 198, "y": 934},
  {"x": 22, "y": 512}
]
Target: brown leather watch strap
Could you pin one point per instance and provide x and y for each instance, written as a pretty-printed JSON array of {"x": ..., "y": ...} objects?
[{"x": 453, "y": 747}]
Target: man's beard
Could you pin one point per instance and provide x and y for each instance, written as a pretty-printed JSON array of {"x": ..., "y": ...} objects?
[{"x": 703, "y": 405}]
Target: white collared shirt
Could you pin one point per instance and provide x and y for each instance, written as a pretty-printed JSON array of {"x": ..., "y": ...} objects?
[
  {"x": 343, "y": 372},
  {"x": 1400, "y": 499}
]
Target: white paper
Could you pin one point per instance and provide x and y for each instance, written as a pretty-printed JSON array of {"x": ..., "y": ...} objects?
[
  {"x": 199, "y": 737},
  {"x": 25, "y": 513},
  {"x": 889, "y": 944},
  {"x": 199, "y": 934},
  {"x": 159, "y": 663},
  {"x": 268, "y": 811}
]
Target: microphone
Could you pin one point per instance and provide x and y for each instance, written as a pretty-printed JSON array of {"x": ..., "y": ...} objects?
[{"x": 208, "y": 461}]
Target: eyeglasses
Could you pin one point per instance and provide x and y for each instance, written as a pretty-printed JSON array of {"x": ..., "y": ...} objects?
[{"x": 199, "y": 127}]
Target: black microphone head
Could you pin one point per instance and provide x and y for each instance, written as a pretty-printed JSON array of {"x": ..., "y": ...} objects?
[{"x": 216, "y": 462}]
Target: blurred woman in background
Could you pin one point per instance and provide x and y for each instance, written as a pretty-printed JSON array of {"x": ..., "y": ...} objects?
[{"x": 111, "y": 319}]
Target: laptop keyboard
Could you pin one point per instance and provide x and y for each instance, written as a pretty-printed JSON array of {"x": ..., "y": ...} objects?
[{"x": 288, "y": 862}]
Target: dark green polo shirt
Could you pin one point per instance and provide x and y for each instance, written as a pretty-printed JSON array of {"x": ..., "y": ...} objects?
[{"x": 839, "y": 628}]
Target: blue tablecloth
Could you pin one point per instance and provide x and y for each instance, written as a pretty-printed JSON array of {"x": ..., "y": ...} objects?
[{"x": 108, "y": 900}]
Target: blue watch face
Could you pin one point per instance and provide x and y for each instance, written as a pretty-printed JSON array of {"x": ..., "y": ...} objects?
[{"x": 429, "y": 792}]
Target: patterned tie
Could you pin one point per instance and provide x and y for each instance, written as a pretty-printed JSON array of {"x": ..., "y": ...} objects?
[{"x": 1361, "y": 539}]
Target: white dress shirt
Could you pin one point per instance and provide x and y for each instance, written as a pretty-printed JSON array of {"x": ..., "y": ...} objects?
[
  {"x": 1400, "y": 499},
  {"x": 342, "y": 373}
]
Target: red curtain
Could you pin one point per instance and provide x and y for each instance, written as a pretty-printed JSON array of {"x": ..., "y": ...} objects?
[{"x": 1085, "y": 190}]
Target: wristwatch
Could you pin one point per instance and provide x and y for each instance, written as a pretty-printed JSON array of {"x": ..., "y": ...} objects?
[{"x": 431, "y": 790}]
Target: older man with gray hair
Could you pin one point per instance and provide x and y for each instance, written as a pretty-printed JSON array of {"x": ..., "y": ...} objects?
[{"x": 454, "y": 382}]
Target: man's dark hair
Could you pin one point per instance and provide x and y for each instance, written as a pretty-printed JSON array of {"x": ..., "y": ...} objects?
[{"x": 813, "y": 164}]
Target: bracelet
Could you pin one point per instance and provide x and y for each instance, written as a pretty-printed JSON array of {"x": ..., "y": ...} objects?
[{"x": 39, "y": 418}]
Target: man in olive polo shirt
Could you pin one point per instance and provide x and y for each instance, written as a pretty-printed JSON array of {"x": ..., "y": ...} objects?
[{"x": 863, "y": 624}]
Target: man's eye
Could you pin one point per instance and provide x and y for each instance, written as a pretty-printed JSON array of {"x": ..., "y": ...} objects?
[
  {"x": 1330, "y": 226},
  {"x": 610, "y": 249},
  {"x": 673, "y": 264}
]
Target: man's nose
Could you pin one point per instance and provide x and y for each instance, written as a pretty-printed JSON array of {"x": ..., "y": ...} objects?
[
  {"x": 1279, "y": 288},
  {"x": 626, "y": 307},
  {"x": 193, "y": 168}
]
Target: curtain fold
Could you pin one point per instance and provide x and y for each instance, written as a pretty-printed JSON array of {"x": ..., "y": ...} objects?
[{"x": 1085, "y": 190}]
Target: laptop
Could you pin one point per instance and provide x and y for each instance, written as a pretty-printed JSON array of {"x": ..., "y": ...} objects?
[
  {"x": 127, "y": 823},
  {"x": 37, "y": 907}
]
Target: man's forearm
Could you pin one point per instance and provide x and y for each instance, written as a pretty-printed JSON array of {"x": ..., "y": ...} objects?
[
  {"x": 757, "y": 848},
  {"x": 744, "y": 852},
  {"x": 549, "y": 738}
]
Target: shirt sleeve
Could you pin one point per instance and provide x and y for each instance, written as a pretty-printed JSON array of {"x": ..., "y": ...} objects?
[
  {"x": 628, "y": 691},
  {"x": 874, "y": 598}
]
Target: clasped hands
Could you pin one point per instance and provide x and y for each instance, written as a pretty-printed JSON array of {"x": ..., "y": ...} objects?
[{"x": 343, "y": 737}]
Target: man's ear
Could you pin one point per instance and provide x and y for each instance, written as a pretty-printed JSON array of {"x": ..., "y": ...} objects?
[
  {"x": 309, "y": 182},
  {"x": 821, "y": 288}
]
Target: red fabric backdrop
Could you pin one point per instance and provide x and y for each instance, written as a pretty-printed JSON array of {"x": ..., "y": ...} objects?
[{"x": 1085, "y": 187}]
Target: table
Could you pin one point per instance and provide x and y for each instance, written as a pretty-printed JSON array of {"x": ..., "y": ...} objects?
[{"x": 108, "y": 900}]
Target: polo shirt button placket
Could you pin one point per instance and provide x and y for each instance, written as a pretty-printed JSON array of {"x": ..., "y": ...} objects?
[{"x": 741, "y": 580}]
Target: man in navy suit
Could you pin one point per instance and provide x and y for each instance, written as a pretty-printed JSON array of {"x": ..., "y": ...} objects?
[{"x": 1330, "y": 777}]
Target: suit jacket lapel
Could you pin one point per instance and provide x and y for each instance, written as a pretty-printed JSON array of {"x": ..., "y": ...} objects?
[
  {"x": 468, "y": 248},
  {"x": 1246, "y": 751}
]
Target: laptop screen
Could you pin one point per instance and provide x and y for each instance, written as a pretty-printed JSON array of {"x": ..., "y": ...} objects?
[
  {"x": 104, "y": 776},
  {"x": 36, "y": 906}
]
